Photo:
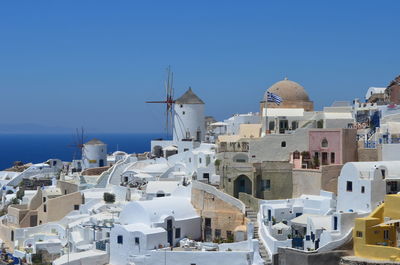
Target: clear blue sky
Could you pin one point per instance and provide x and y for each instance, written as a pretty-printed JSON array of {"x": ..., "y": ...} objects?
[{"x": 94, "y": 63}]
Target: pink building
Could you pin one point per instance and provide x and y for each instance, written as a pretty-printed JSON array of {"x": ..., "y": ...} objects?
[{"x": 333, "y": 146}]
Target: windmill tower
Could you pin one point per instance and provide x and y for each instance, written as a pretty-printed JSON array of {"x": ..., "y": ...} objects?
[
  {"x": 94, "y": 154},
  {"x": 185, "y": 115},
  {"x": 189, "y": 120}
]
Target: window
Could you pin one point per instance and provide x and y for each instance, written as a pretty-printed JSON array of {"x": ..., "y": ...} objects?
[
  {"x": 229, "y": 234},
  {"x": 185, "y": 149},
  {"x": 283, "y": 144},
  {"x": 177, "y": 233},
  {"x": 190, "y": 160},
  {"x": 217, "y": 233},
  {"x": 76, "y": 207},
  {"x": 332, "y": 158},
  {"x": 271, "y": 126},
  {"x": 294, "y": 125},
  {"x": 280, "y": 232},
  {"x": 385, "y": 234},
  {"x": 208, "y": 160},
  {"x": 107, "y": 234},
  {"x": 349, "y": 186},
  {"x": 137, "y": 241},
  {"x": 208, "y": 222},
  {"x": 265, "y": 184},
  {"x": 44, "y": 208},
  {"x": 383, "y": 173},
  {"x": 120, "y": 240},
  {"x": 44, "y": 199},
  {"x": 12, "y": 235},
  {"x": 362, "y": 189},
  {"x": 296, "y": 155},
  {"x": 183, "y": 113},
  {"x": 181, "y": 106},
  {"x": 359, "y": 234},
  {"x": 324, "y": 143}
]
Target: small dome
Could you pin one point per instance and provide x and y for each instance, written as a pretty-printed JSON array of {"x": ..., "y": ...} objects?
[{"x": 288, "y": 91}]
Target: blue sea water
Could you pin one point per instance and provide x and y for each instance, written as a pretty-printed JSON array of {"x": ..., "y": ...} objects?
[{"x": 38, "y": 148}]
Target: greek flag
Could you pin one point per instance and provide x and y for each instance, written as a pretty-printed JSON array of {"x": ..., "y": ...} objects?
[{"x": 271, "y": 97}]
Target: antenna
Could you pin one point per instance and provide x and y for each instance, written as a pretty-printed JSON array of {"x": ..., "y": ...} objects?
[{"x": 169, "y": 100}]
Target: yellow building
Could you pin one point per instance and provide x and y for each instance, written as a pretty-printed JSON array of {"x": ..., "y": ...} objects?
[{"x": 376, "y": 237}]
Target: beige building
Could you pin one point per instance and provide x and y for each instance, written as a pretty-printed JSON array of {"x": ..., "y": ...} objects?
[
  {"x": 221, "y": 215},
  {"x": 47, "y": 205}
]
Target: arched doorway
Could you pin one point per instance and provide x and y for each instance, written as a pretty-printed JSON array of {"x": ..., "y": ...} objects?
[{"x": 242, "y": 184}]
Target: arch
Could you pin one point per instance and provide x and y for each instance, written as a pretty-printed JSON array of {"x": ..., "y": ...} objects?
[
  {"x": 296, "y": 154},
  {"x": 157, "y": 151},
  {"x": 240, "y": 158},
  {"x": 324, "y": 143},
  {"x": 242, "y": 184}
]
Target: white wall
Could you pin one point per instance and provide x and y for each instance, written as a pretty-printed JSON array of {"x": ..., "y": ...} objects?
[
  {"x": 390, "y": 152},
  {"x": 188, "y": 118},
  {"x": 94, "y": 152}
]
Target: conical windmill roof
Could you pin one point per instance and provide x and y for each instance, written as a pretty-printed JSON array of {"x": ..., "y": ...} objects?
[
  {"x": 94, "y": 141},
  {"x": 189, "y": 98}
]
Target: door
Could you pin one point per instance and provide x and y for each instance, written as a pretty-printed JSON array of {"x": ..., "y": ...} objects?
[
  {"x": 207, "y": 230},
  {"x": 169, "y": 232},
  {"x": 206, "y": 176},
  {"x": 242, "y": 185},
  {"x": 335, "y": 221},
  {"x": 269, "y": 215},
  {"x": 324, "y": 158},
  {"x": 283, "y": 126},
  {"x": 101, "y": 163}
]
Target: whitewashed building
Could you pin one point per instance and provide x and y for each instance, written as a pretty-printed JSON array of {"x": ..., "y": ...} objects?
[{"x": 94, "y": 154}]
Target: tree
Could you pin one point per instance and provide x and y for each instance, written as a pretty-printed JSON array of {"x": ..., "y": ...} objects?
[
  {"x": 109, "y": 197},
  {"x": 14, "y": 201}
]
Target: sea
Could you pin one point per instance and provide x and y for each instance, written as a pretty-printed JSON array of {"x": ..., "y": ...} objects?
[{"x": 37, "y": 148}]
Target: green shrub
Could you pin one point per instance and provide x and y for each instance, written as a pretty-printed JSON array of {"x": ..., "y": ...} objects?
[{"x": 109, "y": 197}]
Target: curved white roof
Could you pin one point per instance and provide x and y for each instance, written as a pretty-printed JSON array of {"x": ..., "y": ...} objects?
[
  {"x": 156, "y": 210},
  {"x": 374, "y": 90},
  {"x": 119, "y": 153},
  {"x": 366, "y": 169}
]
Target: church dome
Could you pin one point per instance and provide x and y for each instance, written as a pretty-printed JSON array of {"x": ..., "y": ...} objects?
[{"x": 288, "y": 90}]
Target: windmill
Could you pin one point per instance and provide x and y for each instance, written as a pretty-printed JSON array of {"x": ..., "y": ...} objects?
[
  {"x": 169, "y": 100},
  {"x": 78, "y": 143}
]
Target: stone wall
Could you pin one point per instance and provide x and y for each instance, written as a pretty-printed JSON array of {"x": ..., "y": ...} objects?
[
  {"x": 287, "y": 256},
  {"x": 225, "y": 216},
  {"x": 306, "y": 181},
  {"x": 351, "y": 260},
  {"x": 281, "y": 178},
  {"x": 329, "y": 177},
  {"x": 311, "y": 181},
  {"x": 250, "y": 201},
  {"x": 367, "y": 154}
]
